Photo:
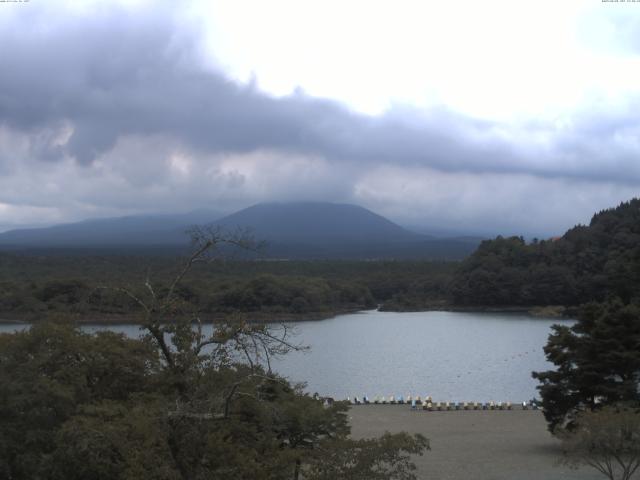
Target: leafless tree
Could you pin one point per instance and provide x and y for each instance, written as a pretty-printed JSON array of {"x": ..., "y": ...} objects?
[{"x": 177, "y": 329}]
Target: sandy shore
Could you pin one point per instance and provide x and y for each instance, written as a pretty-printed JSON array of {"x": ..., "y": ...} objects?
[{"x": 468, "y": 445}]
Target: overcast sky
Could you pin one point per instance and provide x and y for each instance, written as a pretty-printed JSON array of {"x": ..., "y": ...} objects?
[{"x": 494, "y": 116}]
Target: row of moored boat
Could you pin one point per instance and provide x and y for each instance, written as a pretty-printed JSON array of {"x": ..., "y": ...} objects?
[{"x": 428, "y": 404}]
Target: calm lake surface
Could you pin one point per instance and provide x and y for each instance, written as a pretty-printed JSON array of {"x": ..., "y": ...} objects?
[{"x": 452, "y": 356}]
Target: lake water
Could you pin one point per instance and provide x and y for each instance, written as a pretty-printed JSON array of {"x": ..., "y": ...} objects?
[{"x": 452, "y": 356}]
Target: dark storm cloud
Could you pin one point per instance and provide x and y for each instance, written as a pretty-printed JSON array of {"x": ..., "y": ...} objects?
[
  {"x": 118, "y": 75},
  {"x": 113, "y": 74}
]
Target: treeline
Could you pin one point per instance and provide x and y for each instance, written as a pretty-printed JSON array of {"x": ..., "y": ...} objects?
[
  {"x": 34, "y": 287},
  {"x": 588, "y": 263},
  {"x": 264, "y": 293}
]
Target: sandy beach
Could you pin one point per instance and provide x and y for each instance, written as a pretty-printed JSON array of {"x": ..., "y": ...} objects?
[{"x": 468, "y": 445}]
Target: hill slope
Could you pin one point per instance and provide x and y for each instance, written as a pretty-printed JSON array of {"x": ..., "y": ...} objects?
[
  {"x": 111, "y": 232},
  {"x": 587, "y": 263},
  {"x": 330, "y": 230},
  {"x": 292, "y": 230},
  {"x": 315, "y": 223}
]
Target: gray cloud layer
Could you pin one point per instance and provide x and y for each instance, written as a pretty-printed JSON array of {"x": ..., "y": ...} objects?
[{"x": 111, "y": 77}]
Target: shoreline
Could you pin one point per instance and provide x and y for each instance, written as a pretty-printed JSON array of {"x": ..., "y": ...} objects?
[
  {"x": 543, "y": 311},
  {"x": 550, "y": 311},
  {"x": 128, "y": 319}
]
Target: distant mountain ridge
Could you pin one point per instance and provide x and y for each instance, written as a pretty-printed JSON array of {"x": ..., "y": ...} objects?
[
  {"x": 292, "y": 230},
  {"x": 136, "y": 230},
  {"x": 316, "y": 223}
]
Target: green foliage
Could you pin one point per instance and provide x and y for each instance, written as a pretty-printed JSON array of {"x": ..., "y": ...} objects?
[
  {"x": 506, "y": 271},
  {"x": 597, "y": 362},
  {"x": 387, "y": 458},
  {"x": 176, "y": 404},
  {"x": 607, "y": 440},
  {"x": 78, "y": 406},
  {"x": 47, "y": 373},
  {"x": 269, "y": 293},
  {"x": 586, "y": 264},
  {"x": 33, "y": 287}
]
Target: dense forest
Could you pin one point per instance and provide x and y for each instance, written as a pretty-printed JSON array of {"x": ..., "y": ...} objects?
[
  {"x": 588, "y": 263},
  {"x": 36, "y": 287}
]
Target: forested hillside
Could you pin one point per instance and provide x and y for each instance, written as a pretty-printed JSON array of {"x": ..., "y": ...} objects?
[{"x": 587, "y": 263}]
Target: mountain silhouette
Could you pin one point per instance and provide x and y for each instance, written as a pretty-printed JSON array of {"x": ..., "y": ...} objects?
[{"x": 299, "y": 230}]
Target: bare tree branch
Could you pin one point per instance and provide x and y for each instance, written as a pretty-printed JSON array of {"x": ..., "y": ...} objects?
[{"x": 128, "y": 293}]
